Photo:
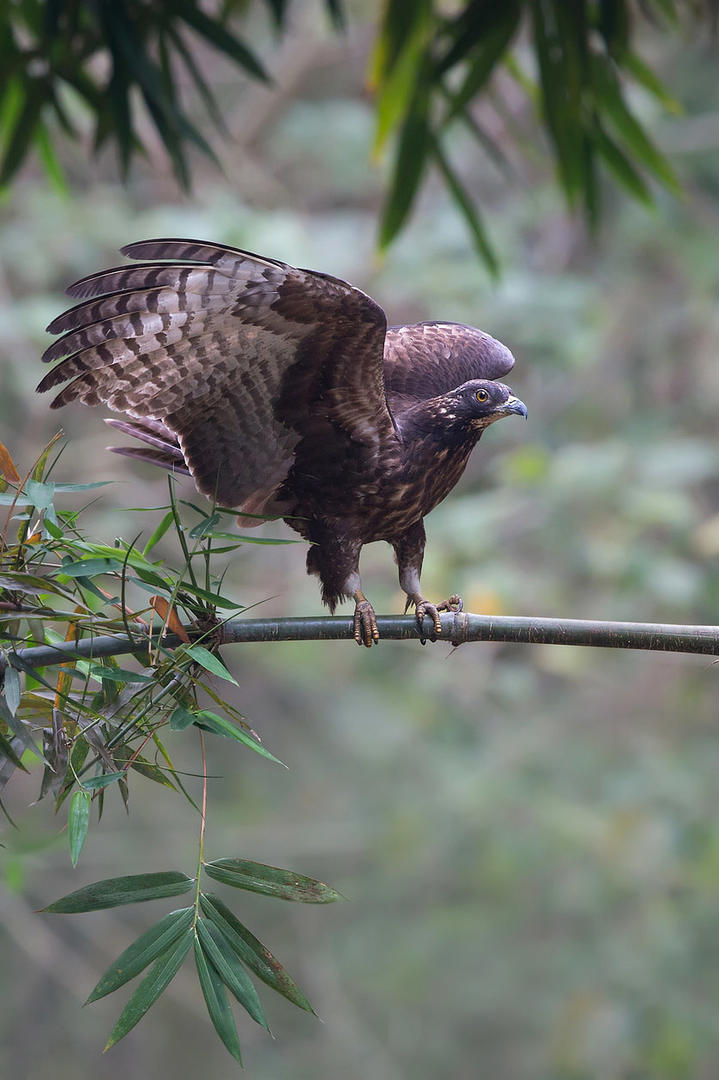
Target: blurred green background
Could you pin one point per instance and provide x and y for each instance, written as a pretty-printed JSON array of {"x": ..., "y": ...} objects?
[{"x": 527, "y": 836}]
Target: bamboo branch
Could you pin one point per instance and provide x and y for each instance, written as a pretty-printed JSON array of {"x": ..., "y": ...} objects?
[{"x": 457, "y": 628}]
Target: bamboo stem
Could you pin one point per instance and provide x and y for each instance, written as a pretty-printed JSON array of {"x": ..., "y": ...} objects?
[{"x": 457, "y": 628}]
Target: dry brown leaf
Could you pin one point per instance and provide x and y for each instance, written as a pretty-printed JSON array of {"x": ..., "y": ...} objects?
[
  {"x": 7, "y": 466},
  {"x": 169, "y": 616}
]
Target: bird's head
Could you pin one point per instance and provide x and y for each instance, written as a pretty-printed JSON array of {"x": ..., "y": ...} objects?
[{"x": 476, "y": 404}]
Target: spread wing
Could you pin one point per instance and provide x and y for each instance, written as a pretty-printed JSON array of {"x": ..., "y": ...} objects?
[
  {"x": 239, "y": 367},
  {"x": 427, "y": 359}
]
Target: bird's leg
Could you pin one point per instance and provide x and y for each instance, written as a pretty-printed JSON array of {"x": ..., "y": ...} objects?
[
  {"x": 409, "y": 552},
  {"x": 365, "y": 621}
]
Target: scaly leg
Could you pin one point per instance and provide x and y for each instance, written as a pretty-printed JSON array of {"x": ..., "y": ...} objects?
[{"x": 409, "y": 552}]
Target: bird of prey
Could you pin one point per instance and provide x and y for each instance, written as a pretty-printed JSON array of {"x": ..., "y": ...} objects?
[{"x": 284, "y": 393}]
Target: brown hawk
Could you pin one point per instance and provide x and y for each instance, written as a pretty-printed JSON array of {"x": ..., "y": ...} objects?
[{"x": 284, "y": 393}]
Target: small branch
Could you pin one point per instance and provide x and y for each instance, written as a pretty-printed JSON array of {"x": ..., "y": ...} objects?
[{"x": 457, "y": 628}]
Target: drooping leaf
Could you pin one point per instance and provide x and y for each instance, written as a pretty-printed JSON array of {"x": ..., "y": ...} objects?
[
  {"x": 218, "y": 1005},
  {"x": 78, "y": 820},
  {"x": 252, "y": 952},
  {"x": 410, "y": 164},
  {"x": 112, "y": 892},
  {"x": 136, "y": 957},
  {"x": 222, "y": 726},
  {"x": 157, "y": 979},
  {"x": 468, "y": 209},
  {"x": 159, "y": 532},
  {"x": 222, "y": 957},
  {"x": 11, "y": 685},
  {"x": 271, "y": 881}
]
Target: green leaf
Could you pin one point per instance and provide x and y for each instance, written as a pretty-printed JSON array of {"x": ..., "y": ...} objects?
[
  {"x": 6, "y": 749},
  {"x": 494, "y": 43},
  {"x": 218, "y": 1005},
  {"x": 157, "y": 979},
  {"x": 159, "y": 532},
  {"x": 212, "y": 598},
  {"x": 209, "y": 662},
  {"x": 40, "y": 494},
  {"x": 89, "y": 567},
  {"x": 615, "y": 109},
  {"x": 95, "y": 783},
  {"x": 205, "y": 526},
  {"x": 12, "y": 688},
  {"x": 271, "y": 881},
  {"x": 24, "y": 129},
  {"x": 410, "y": 163},
  {"x": 112, "y": 892},
  {"x": 82, "y": 487},
  {"x": 19, "y": 729},
  {"x": 222, "y": 726},
  {"x": 223, "y": 40},
  {"x": 78, "y": 820},
  {"x": 222, "y": 957},
  {"x": 651, "y": 82},
  {"x": 136, "y": 957},
  {"x": 470, "y": 212},
  {"x": 252, "y": 952},
  {"x": 182, "y": 718},
  {"x": 621, "y": 167}
]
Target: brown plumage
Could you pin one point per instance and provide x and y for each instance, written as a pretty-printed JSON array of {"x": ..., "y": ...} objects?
[{"x": 284, "y": 393}]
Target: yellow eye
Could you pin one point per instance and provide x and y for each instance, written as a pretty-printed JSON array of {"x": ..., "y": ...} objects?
[{"x": 482, "y": 397}]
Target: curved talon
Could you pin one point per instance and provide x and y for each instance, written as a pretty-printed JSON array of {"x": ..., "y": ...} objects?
[
  {"x": 365, "y": 624},
  {"x": 423, "y": 607}
]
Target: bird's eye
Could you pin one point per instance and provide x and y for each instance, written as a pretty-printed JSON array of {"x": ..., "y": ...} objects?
[{"x": 482, "y": 397}]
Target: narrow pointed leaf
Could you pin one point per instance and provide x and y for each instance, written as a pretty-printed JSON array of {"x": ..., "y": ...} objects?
[
  {"x": 271, "y": 881},
  {"x": 136, "y": 957},
  {"x": 182, "y": 718},
  {"x": 12, "y": 689},
  {"x": 252, "y": 952},
  {"x": 7, "y": 750},
  {"x": 111, "y": 892},
  {"x": 209, "y": 662},
  {"x": 222, "y": 726},
  {"x": 149, "y": 990},
  {"x": 218, "y": 1005},
  {"x": 222, "y": 957},
  {"x": 470, "y": 212},
  {"x": 77, "y": 823}
]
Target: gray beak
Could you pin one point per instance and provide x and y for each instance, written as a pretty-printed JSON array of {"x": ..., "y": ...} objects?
[{"x": 514, "y": 405}]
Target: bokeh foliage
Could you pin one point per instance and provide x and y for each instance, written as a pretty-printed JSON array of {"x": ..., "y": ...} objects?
[{"x": 431, "y": 63}]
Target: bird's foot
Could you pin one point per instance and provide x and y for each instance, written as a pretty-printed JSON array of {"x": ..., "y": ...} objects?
[
  {"x": 365, "y": 623},
  {"x": 423, "y": 607}
]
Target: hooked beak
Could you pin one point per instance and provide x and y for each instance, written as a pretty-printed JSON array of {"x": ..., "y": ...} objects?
[{"x": 514, "y": 405}]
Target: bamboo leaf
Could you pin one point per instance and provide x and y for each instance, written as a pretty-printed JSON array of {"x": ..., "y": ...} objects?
[
  {"x": 12, "y": 689},
  {"x": 222, "y": 957},
  {"x": 78, "y": 820},
  {"x": 96, "y": 783},
  {"x": 410, "y": 163},
  {"x": 136, "y": 957},
  {"x": 621, "y": 167},
  {"x": 222, "y": 726},
  {"x": 182, "y": 718},
  {"x": 209, "y": 662},
  {"x": 218, "y": 1005},
  {"x": 112, "y": 892},
  {"x": 494, "y": 43},
  {"x": 149, "y": 990},
  {"x": 214, "y": 32},
  {"x": 159, "y": 532},
  {"x": 89, "y": 567},
  {"x": 469, "y": 211},
  {"x": 271, "y": 881},
  {"x": 252, "y": 952},
  {"x": 615, "y": 109}
]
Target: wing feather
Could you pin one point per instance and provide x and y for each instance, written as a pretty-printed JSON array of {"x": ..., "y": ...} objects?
[{"x": 252, "y": 367}]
